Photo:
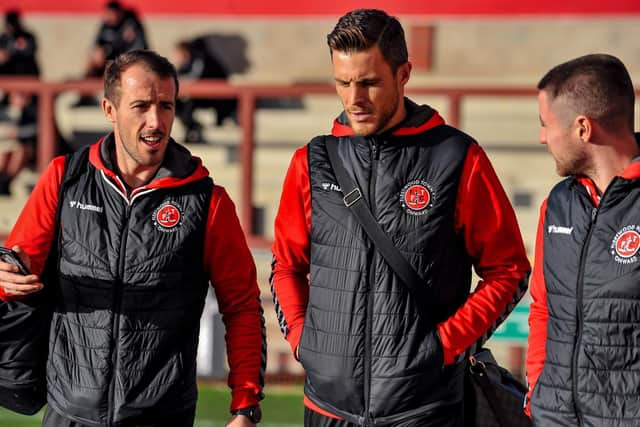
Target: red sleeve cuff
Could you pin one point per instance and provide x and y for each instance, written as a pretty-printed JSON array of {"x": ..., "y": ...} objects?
[
  {"x": 293, "y": 337},
  {"x": 243, "y": 398}
]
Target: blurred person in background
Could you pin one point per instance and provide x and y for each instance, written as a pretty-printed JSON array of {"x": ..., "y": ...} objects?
[
  {"x": 120, "y": 31},
  {"x": 141, "y": 232},
  {"x": 194, "y": 61},
  {"x": 583, "y": 358},
  {"x": 24, "y": 137},
  {"x": 374, "y": 352},
  {"x": 18, "y": 48}
]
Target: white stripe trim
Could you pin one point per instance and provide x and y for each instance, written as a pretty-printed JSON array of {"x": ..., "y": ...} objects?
[
  {"x": 115, "y": 187},
  {"x": 138, "y": 191},
  {"x": 142, "y": 192}
]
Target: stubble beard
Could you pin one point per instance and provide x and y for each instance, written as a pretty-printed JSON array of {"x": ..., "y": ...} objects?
[
  {"x": 385, "y": 116},
  {"x": 576, "y": 166},
  {"x": 131, "y": 150}
]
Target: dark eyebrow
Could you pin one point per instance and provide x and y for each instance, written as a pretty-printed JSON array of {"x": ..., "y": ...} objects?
[{"x": 372, "y": 80}]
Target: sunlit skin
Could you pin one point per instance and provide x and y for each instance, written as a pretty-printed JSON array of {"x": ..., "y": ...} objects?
[
  {"x": 142, "y": 123},
  {"x": 371, "y": 94},
  {"x": 561, "y": 138}
]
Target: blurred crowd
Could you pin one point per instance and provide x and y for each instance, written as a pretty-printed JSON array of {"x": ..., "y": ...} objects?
[{"x": 121, "y": 29}]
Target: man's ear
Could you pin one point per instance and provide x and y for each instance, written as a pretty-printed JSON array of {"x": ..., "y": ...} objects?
[
  {"x": 109, "y": 110},
  {"x": 584, "y": 128},
  {"x": 404, "y": 72}
]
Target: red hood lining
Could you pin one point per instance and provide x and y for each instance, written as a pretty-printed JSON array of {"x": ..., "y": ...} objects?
[
  {"x": 340, "y": 129},
  {"x": 198, "y": 173}
]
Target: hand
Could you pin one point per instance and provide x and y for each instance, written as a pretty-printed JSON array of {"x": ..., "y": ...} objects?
[
  {"x": 15, "y": 283},
  {"x": 240, "y": 421}
]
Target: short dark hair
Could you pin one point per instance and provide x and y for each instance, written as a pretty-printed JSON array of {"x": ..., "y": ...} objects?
[
  {"x": 596, "y": 85},
  {"x": 157, "y": 64},
  {"x": 361, "y": 29}
]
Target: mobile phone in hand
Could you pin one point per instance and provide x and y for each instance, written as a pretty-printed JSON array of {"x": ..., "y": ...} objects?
[{"x": 10, "y": 256}]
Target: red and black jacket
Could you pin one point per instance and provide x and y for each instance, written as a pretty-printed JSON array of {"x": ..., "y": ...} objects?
[
  {"x": 368, "y": 354},
  {"x": 133, "y": 271},
  {"x": 583, "y": 359}
]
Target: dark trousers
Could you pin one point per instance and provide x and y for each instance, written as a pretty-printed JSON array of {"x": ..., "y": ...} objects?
[
  {"x": 445, "y": 418},
  {"x": 184, "y": 419}
]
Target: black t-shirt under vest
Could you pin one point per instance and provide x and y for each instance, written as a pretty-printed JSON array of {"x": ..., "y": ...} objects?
[
  {"x": 367, "y": 352},
  {"x": 132, "y": 289},
  {"x": 591, "y": 374}
]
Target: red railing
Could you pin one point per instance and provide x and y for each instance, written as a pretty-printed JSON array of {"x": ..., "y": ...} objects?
[{"x": 247, "y": 96}]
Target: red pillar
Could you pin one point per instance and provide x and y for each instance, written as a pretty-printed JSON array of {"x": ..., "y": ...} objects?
[
  {"x": 246, "y": 106},
  {"x": 421, "y": 46},
  {"x": 47, "y": 142}
]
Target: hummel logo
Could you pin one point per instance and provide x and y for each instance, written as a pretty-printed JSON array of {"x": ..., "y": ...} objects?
[
  {"x": 556, "y": 229},
  {"x": 74, "y": 204},
  {"x": 330, "y": 186}
]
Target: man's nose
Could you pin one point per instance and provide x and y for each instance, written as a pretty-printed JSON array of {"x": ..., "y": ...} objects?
[
  {"x": 152, "y": 117},
  {"x": 542, "y": 136},
  {"x": 356, "y": 94}
]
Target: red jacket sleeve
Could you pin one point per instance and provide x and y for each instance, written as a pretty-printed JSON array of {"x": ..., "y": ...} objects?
[
  {"x": 290, "y": 267},
  {"x": 233, "y": 275},
  {"x": 486, "y": 219},
  {"x": 538, "y": 314},
  {"x": 34, "y": 228}
]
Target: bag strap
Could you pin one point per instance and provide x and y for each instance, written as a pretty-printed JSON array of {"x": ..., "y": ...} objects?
[{"x": 355, "y": 202}]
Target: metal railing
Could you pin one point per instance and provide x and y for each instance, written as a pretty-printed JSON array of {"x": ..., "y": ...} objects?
[{"x": 247, "y": 96}]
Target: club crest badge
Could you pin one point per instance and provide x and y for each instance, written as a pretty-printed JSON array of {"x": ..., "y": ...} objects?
[
  {"x": 416, "y": 197},
  {"x": 625, "y": 245},
  {"x": 168, "y": 217}
]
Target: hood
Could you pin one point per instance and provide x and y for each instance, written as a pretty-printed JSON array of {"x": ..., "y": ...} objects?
[
  {"x": 633, "y": 170},
  {"x": 178, "y": 168},
  {"x": 419, "y": 119}
]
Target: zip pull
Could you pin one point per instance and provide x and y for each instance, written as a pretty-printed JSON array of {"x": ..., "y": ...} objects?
[
  {"x": 375, "y": 148},
  {"x": 594, "y": 212}
]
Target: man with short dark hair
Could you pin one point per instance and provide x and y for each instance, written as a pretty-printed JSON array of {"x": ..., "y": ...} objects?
[
  {"x": 374, "y": 352},
  {"x": 141, "y": 231},
  {"x": 583, "y": 360}
]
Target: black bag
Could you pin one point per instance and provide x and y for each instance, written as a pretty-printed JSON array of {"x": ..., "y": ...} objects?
[
  {"x": 25, "y": 323},
  {"x": 492, "y": 396},
  {"x": 24, "y": 334}
]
